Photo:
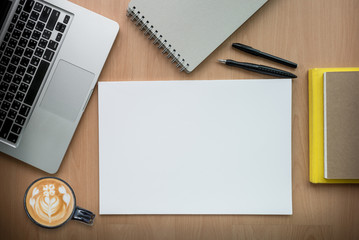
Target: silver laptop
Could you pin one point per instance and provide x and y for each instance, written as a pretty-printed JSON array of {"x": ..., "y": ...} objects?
[{"x": 51, "y": 55}]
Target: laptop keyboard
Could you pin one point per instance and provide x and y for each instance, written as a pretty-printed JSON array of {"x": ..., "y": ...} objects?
[{"x": 29, "y": 46}]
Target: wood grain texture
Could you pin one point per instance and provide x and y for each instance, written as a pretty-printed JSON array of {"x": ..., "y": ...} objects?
[{"x": 320, "y": 33}]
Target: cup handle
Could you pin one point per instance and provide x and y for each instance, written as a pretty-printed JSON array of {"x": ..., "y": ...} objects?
[{"x": 83, "y": 215}]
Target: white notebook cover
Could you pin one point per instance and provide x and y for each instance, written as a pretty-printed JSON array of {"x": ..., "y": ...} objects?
[
  {"x": 194, "y": 28},
  {"x": 195, "y": 147}
]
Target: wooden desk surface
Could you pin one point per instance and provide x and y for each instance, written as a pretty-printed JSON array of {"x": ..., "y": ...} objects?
[{"x": 320, "y": 33}]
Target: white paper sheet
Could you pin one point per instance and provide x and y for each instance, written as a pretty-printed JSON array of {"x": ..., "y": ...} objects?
[{"x": 195, "y": 147}]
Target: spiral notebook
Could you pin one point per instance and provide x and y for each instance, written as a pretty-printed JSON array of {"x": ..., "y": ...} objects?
[{"x": 187, "y": 31}]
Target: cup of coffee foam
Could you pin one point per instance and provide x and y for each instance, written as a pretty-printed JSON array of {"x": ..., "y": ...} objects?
[{"x": 50, "y": 202}]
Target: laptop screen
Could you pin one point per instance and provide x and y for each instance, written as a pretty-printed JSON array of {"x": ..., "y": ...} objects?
[{"x": 4, "y": 10}]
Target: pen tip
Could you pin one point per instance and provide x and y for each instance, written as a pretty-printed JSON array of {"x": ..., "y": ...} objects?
[{"x": 221, "y": 60}]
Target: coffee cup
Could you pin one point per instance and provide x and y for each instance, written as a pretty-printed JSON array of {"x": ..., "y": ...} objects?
[{"x": 50, "y": 202}]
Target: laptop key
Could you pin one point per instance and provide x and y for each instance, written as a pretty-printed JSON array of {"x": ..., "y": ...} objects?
[
  {"x": 20, "y": 96},
  {"x": 20, "y": 120},
  {"x": 38, "y": 7},
  {"x": 45, "y": 14},
  {"x": 31, "y": 70},
  {"x": 11, "y": 27},
  {"x": 12, "y": 138},
  {"x": 2, "y": 46},
  {"x": 34, "y": 16},
  {"x": 9, "y": 97},
  {"x": 20, "y": 70},
  {"x": 2, "y": 95},
  {"x": 18, "y": 9},
  {"x": 23, "y": 87},
  {"x": 5, "y": 106},
  {"x": 36, "y": 83},
  {"x": 11, "y": 69},
  {"x": 2, "y": 69},
  {"x": 35, "y": 61},
  {"x": 52, "y": 20},
  {"x": 23, "y": 42},
  {"x": 20, "y": 25},
  {"x": 42, "y": 43},
  {"x": 19, "y": 51},
  {"x": 28, "y": 52},
  {"x": 40, "y": 26},
  {"x": 36, "y": 35},
  {"x": 24, "y": 110},
  {"x": 32, "y": 44},
  {"x": 60, "y": 27},
  {"x": 6, "y": 128},
  {"x": 16, "y": 34},
  {"x": 15, "y": 60},
  {"x": 48, "y": 55},
  {"x": 24, "y": 61},
  {"x": 2, "y": 114},
  {"x": 8, "y": 52},
  {"x": 30, "y": 24},
  {"x": 28, "y": 5},
  {"x": 66, "y": 19},
  {"x": 7, "y": 77},
  {"x": 5, "y": 60},
  {"x": 16, "y": 129},
  {"x": 24, "y": 16},
  {"x": 17, "y": 79},
  {"x": 46, "y": 34},
  {"x": 15, "y": 105},
  {"x": 39, "y": 52},
  {"x": 11, "y": 114},
  {"x": 52, "y": 45},
  {"x": 15, "y": 18},
  {"x": 4, "y": 86},
  {"x": 13, "y": 88},
  {"x": 12, "y": 43},
  {"x": 58, "y": 37},
  {"x": 7, "y": 37},
  {"x": 27, "y": 78},
  {"x": 26, "y": 33}
]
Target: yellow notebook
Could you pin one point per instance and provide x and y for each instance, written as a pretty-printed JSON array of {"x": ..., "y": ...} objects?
[{"x": 316, "y": 126}]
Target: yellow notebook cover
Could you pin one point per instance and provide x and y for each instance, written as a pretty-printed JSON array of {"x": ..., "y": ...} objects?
[{"x": 316, "y": 125}]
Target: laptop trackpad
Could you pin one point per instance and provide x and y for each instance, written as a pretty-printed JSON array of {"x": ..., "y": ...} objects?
[{"x": 68, "y": 90}]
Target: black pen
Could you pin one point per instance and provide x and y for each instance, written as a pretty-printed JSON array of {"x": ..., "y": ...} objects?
[
  {"x": 258, "y": 68},
  {"x": 268, "y": 56}
]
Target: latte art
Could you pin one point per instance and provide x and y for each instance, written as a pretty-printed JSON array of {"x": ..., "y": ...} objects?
[{"x": 50, "y": 202}]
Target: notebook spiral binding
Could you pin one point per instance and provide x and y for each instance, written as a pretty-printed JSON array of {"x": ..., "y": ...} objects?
[{"x": 154, "y": 35}]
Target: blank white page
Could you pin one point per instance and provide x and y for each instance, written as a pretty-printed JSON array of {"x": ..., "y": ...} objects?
[{"x": 195, "y": 147}]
